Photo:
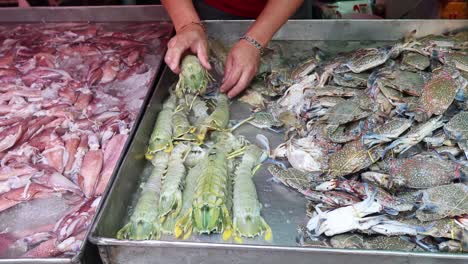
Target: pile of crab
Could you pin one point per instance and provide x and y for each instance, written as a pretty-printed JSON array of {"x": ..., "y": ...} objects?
[
  {"x": 69, "y": 95},
  {"x": 376, "y": 139},
  {"x": 200, "y": 178}
]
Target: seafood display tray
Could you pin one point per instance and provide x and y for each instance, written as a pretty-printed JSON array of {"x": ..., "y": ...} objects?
[
  {"x": 283, "y": 209},
  {"x": 100, "y": 14}
]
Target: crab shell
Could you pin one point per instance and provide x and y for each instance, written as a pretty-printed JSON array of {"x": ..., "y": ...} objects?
[
  {"x": 421, "y": 171},
  {"x": 366, "y": 59},
  {"x": 443, "y": 201},
  {"x": 438, "y": 93},
  {"x": 414, "y": 61},
  {"x": 353, "y": 157}
]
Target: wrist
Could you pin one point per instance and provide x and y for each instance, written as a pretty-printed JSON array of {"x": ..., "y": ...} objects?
[
  {"x": 253, "y": 43},
  {"x": 262, "y": 38},
  {"x": 191, "y": 25}
]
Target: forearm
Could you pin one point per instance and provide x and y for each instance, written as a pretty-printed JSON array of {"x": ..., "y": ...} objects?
[
  {"x": 273, "y": 16},
  {"x": 182, "y": 12}
]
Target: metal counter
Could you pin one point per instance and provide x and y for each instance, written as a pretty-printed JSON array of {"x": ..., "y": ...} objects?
[
  {"x": 102, "y": 14},
  {"x": 283, "y": 209}
]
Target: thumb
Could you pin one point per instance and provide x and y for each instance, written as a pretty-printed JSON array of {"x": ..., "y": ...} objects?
[{"x": 202, "y": 54}]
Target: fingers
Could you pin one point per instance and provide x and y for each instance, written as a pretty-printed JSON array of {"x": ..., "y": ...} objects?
[
  {"x": 174, "y": 52},
  {"x": 244, "y": 80},
  {"x": 232, "y": 79},
  {"x": 227, "y": 68},
  {"x": 202, "y": 53},
  {"x": 188, "y": 40}
]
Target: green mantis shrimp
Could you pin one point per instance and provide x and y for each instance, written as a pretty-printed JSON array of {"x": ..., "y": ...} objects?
[
  {"x": 193, "y": 78},
  {"x": 143, "y": 223},
  {"x": 185, "y": 231},
  {"x": 218, "y": 120},
  {"x": 246, "y": 208},
  {"x": 171, "y": 193},
  {"x": 161, "y": 137},
  {"x": 210, "y": 206},
  {"x": 182, "y": 130},
  {"x": 198, "y": 109}
]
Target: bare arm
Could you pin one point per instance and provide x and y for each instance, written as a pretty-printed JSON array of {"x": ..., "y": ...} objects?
[
  {"x": 181, "y": 12},
  {"x": 243, "y": 60},
  {"x": 273, "y": 16},
  {"x": 189, "y": 35}
]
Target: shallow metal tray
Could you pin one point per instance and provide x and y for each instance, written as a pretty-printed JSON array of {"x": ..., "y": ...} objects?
[
  {"x": 283, "y": 209},
  {"x": 88, "y": 252}
]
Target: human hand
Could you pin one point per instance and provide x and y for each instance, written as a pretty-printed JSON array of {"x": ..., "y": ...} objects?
[
  {"x": 240, "y": 68},
  {"x": 191, "y": 37}
]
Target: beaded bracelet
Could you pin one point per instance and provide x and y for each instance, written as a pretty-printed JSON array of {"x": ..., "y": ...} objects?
[{"x": 253, "y": 42}]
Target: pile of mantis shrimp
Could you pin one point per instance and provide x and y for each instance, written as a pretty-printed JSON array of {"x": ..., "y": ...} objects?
[{"x": 202, "y": 175}]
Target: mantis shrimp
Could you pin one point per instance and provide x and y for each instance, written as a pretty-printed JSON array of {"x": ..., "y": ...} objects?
[
  {"x": 143, "y": 223},
  {"x": 210, "y": 206},
  {"x": 161, "y": 137},
  {"x": 182, "y": 130},
  {"x": 193, "y": 78},
  {"x": 185, "y": 231},
  {"x": 171, "y": 194},
  {"x": 218, "y": 120},
  {"x": 246, "y": 207}
]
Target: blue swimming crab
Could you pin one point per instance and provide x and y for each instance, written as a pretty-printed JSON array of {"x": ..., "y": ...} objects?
[
  {"x": 351, "y": 79},
  {"x": 306, "y": 154},
  {"x": 421, "y": 171},
  {"x": 345, "y": 219},
  {"x": 457, "y": 128},
  {"x": 304, "y": 183},
  {"x": 440, "y": 91},
  {"x": 262, "y": 120},
  {"x": 365, "y": 59},
  {"x": 358, "y": 241},
  {"x": 353, "y": 109},
  {"x": 443, "y": 201},
  {"x": 353, "y": 157},
  {"x": 410, "y": 83},
  {"x": 387, "y": 132},
  {"x": 368, "y": 58},
  {"x": 415, "y": 135},
  {"x": 414, "y": 61},
  {"x": 390, "y": 204},
  {"x": 457, "y": 59}
]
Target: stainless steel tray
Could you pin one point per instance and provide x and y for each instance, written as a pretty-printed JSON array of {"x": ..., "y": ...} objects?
[
  {"x": 283, "y": 209},
  {"x": 88, "y": 252}
]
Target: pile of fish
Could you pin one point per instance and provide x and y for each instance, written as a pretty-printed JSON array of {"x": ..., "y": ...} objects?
[
  {"x": 201, "y": 173},
  {"x": 376, "y": 139},
  {"x": 69, "y": 95}
]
